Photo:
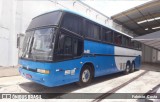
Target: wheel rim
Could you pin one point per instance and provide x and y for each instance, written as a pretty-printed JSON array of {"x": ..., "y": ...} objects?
[
  {"x": 133, "y": 67},
  {"x": 127, "y": 69},
  {"x": 85, "y": 75}
]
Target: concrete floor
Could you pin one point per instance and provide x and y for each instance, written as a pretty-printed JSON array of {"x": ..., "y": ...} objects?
[{"x": 149, "y": 79}]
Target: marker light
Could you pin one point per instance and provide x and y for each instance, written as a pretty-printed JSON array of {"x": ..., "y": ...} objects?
[{"x": 43, "y": 71}]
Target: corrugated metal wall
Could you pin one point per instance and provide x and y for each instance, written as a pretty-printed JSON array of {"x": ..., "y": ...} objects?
[{"x": 149, "y": 54}]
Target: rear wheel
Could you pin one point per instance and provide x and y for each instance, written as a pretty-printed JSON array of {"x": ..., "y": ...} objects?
[
  {"x": 127, "y": 69},
  {"x": 85, "y": 76},
  {"x": 132, "y": 67}
]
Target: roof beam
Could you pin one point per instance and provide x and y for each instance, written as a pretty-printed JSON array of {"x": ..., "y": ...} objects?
[
  {"x": 149, "y": 30},
  {"x": 141, "y": 7},
  {"x": 144, "y": 17},
  {"x": 141, "y": 27},
  {"x": 154, "y": 15},
  {"x": 154, "y": 19}
]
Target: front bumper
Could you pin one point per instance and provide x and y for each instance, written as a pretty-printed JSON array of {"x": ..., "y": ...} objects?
[{"x": 43, "y": 79}]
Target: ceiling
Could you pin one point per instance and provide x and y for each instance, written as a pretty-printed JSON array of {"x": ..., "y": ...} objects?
[
  {"x": 152, "y": 39},
  {"x": 143, "y": 19}
]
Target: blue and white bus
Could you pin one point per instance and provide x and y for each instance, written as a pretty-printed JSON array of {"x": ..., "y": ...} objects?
[{"x": 62, "y": 47}]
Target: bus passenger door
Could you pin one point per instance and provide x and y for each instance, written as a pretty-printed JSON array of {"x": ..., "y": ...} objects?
[{"x": 68, "y": 51}]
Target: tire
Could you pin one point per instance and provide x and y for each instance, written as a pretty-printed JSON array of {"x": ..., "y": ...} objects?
[
  {"x": 127, "y": 69},
  {"x": 86, "y": 76},
  {"x": 132, "y": 67}
]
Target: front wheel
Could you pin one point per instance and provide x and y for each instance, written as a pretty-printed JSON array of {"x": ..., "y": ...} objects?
[{"x": 85, "y": 76}]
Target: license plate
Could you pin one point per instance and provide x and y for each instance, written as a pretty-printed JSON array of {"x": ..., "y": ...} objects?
[{"x": 28, "y": 76}]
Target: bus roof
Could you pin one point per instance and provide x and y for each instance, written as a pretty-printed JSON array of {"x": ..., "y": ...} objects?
[{"x": 82, "y": 15}]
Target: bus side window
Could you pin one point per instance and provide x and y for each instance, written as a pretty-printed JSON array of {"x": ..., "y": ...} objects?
[
  {"x": 60, "y": 44},
  {"x": 117, "y": 38},
  {"x": 77, "y": 47},
  {"x": 73, "y": 23},
  {"x": 124, "y": 41},
  {"x": 140, "y": 46},
  {"x": 132, "y": 44},
  {"x": 107, "y": 35},
  {"x": 129, "y": 43},
  {"x": 92, "y": 30},
  {"x": 68, "y": 46},
  {"x": 137, "y": 45}
]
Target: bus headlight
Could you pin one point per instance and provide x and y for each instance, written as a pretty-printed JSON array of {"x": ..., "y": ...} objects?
[{"x": 43, "y": 71}]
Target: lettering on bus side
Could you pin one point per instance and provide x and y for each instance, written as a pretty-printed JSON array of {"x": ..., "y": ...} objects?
[{"x": 87, "y": 51}]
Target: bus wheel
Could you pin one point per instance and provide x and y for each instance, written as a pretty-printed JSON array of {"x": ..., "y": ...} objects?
[
  {"x": 132, "y": 67},
  {"x": 127, "y": 70},
  {"x": 85, "y": 76}
]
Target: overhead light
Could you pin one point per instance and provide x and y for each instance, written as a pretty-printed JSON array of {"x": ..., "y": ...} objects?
[
  {"x": 142, "y": 21},
  {"x": 146, "y": 29},
  {"x": 148, "y": 20},
  {"x": 156, "y": 27},
  {"x": 157, "y": 18}
]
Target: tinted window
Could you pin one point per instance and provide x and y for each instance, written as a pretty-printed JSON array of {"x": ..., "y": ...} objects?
[
  {"x": 92, "y": 31},
  {"x": 107, "y": 35},
  {"x": 60, "y": 44},
  {"x": 67, "y": 46},
  {"x": 129, "y": 43},
  {"x": 72, "y": 23},
  {"x": 77, "y": 47},
  {"x": 137, "y": 45},
  {"x": 132, "y": 44},
  {"x": 47, "y": 19},
  {"x": 140, "y": 46},
  {"x": 117, "y": 38},
  {"x": 126, "y": 41}
]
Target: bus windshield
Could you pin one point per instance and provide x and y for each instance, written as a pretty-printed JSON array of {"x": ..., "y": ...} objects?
[{"x": 38, "y": 44}]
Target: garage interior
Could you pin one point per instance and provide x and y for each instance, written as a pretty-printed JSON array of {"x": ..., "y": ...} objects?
[{"x": 142, "y": 20}]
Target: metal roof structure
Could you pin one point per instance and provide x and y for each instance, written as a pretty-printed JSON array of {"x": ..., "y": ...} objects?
[
  {"x": 143, "y": 19},
  {"x": 152, "y": 39}
]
